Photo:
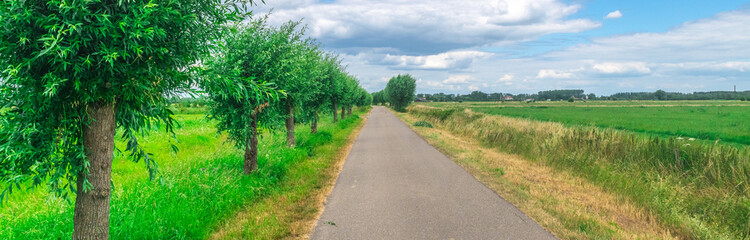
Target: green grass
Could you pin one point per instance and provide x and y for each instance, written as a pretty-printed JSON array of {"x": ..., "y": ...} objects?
[
  {"x": 199, "y": 187},
  {"x": 697, "y": 189},
  {"x": 713, "y": 120}
]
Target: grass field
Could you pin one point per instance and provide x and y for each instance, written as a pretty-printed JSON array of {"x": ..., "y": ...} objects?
[
  {"x": 695, "y": 189},
  {"x": 726, "y": 121},
  {"x": 200, "y": 187}
]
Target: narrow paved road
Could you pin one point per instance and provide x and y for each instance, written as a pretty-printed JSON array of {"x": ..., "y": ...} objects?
[{"x": 396, "y": 186}]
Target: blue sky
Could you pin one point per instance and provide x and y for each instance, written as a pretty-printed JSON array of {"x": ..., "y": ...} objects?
[
  {"x": 525, "y": 46},
  {"x": 642, "y": 16}
]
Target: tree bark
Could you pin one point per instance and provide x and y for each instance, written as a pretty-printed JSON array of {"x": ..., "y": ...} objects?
[
  {"x": 335, "y": 117},
  {"x": 91, "y": 214},
  {"x": 290, "y": 139},
  {"x": 349, "y": 112},
  {"x": 343, "y": 112},
  {"x": 251, "y": 147},
  {"x": 314, "y": 124}
]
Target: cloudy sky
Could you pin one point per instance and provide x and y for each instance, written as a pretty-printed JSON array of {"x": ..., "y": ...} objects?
[{"x": 525, "y": 46}]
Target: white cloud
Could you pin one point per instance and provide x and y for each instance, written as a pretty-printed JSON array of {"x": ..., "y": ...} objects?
[
  {"x": 429, "y": 27},
  {"x": 622, "y": 68},
  {"x": 442, "y": 61},
  {"x": 506, "y": 78},
  {"x": 614, "y": 15},
  {"x": 725, "y": 36},
  {"x": 701, "y": 55},
  {"x": 453, "y": 79},
  {"x": 549, "y": 73}
]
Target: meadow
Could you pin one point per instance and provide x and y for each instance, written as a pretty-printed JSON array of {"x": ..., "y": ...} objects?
[
  {"x": 696, "y": 189},
  {"x": 725, "y": 121},
  {"x": 200, "y": 188}
]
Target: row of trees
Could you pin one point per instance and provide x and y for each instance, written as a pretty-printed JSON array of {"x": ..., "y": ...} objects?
[
  {"x": 399, "y": 92},
  {"x": 273, "y": 76},
  {"x": 72, "y": 72},
  {"x": 663, "y": 95},
  {"x": 557, "y": 95},
  {"x": 479, "y": 96}
]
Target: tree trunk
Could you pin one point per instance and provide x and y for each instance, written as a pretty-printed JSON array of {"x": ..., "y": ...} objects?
[
  {"x": 91, "y": 214},
  {"x": 251, "y": 148},
  {"x": 290, "y": 139},
  {"x": 335, "y": 117},
  {"x": 343, "y": 112},
  {"x": 314, "y": 124},
  {"x": 349, "y": 111}
]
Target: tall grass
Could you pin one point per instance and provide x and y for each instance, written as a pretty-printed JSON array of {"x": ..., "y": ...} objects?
[
  {"x": 199, "y": 187},
  {"x": 698, "y": 190}
]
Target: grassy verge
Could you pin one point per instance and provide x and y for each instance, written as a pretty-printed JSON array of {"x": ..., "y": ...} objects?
[
  {"x": 291, "y": 210},
  {"x": 566, "y": 205},
  {"x": 694, "y": 190},
  {"x": 200, "y": 187}
]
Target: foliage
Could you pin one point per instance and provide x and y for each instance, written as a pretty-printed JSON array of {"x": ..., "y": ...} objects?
[
  {"x": 378, "y": 98},
  {"x": 400, "y": 91},
  {"x": 422, "y": 124},
  {"x": 58, "y": 58},
  {"x": 556, "y": 95}
]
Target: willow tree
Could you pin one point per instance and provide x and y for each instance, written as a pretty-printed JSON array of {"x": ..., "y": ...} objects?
[
  {"x": 240, "y": 83},
  {"x": 400, "y": 91},
  {"x": 335, "y": 84},
  {"x": 72, "y": 72},
  {"x": 294, "y": 70},
  {"x": 315, "y": 97},
  {"x": 351, "y": 95}
]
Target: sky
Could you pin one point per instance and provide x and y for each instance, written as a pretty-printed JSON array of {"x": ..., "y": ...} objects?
[{"x": 526, "y": 46}]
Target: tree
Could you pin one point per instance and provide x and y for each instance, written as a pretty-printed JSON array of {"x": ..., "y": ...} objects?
[
  {"x": 335, "y": 89},
  {"x": 350, "y": 95},
  {"x": 293, "y": 71},
  {"x": 74, "y": 71},
  {"x": 316, "y": 93},
  {"x": 400, "y": 91},
  {"x": 377, "y": 98},
  {"x": 660, "y": 94},
  {"x": 237, "y": 83}
]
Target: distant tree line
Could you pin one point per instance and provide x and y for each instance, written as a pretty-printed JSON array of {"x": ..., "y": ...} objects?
[
  {"x": 662, "y": 95},
  {"x": 577, "y": 94}
]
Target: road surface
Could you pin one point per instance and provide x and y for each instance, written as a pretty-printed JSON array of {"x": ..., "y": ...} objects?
[{"x": 394, "y": 185}]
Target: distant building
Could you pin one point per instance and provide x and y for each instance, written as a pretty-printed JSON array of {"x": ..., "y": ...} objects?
[{"x": 508, "y": 98}]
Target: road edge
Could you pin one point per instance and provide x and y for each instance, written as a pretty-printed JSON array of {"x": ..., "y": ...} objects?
[{"x": 322, "y": 195}]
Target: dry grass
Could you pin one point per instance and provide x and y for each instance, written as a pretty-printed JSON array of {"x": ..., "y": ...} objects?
[
  {"x": 697, "y": 190},
  {"x": 567, "y": 206},
  {"x": 293, "y": 212}
]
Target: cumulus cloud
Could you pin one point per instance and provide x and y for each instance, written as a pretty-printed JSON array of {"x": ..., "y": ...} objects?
[
  {"x": 725, "y": 36},
  {"x": 422, "y": 27},
  {"x": 443, "y": 43},
  {"x": 622, "y": 68},
  {"x": 549, "y": 73},
  {"x": 442, "y": 61},
  {"x": 506, "y": 78},
  {"x": 614, "y": 15},
  {"x": 453, "y": 79}
]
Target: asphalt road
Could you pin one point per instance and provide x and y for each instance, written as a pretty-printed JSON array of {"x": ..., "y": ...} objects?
[{"x": 394, "y": 185}]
